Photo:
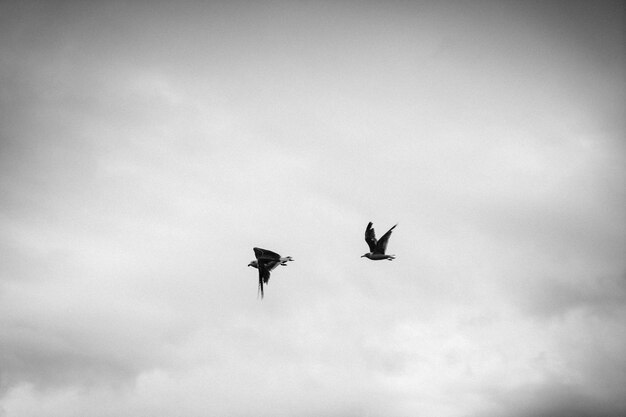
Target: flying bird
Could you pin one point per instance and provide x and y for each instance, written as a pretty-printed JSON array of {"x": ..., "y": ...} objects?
[
  {"x": 266, "y": 261},
  {"x": 377, "y": 248}
]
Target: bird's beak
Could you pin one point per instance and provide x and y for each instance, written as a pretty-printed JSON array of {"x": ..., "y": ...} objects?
[
  {"x": 250, "y": 264},
  {"x": 362, "y": 256}
]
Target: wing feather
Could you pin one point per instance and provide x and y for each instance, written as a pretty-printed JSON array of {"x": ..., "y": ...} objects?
[
  {"x": 381, "y": 247},
  {"x": 264, "y": 277},
  {"x": 264, "y": 254},
  {"x": 370, "y": 237}
]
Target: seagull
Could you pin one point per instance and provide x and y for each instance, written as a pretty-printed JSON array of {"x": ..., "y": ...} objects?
[
  {"x": 265, "y": 261},
  {"x": 377, "y": 248}
]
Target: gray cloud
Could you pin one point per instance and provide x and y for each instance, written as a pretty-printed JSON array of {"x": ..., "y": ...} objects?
[{"x": 556, "y": 400}]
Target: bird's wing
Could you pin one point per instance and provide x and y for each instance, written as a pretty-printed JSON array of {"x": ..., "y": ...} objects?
[
  {"x": 370, "y": 237},
  {"x": 270, "y": 265},
  {"x": 264, "y": 277},
  {"x": 381, "y": 247},
  {"x": 266, "y": 255}
]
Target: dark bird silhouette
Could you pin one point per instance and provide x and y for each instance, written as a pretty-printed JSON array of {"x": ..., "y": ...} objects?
[
  {"x": 266, "y": 261},
  {"x": 377, "y": 248}
]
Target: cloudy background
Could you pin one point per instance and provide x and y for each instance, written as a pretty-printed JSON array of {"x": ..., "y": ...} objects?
[{"x": 147, "y": 147}]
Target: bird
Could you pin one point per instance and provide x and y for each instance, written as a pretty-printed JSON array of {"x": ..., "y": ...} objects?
[
  {"x": 377, "y": 248},
  {"x": 266, "y": 261}
]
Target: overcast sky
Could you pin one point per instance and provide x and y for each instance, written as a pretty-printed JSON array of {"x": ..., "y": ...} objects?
[{"x": 147, "y": 147}]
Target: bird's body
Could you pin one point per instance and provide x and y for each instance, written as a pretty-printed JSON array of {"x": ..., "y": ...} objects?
[
  {"x": 265, "y": 262},
  {"x": 378, "y": 256},
  {"x": 377, "y": 247}
]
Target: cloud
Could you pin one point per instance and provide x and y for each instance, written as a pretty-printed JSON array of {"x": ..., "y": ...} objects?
[{"x": 555, "y": 400}]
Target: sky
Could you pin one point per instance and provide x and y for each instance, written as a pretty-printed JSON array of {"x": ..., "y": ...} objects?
[{"x": 147, "y": 147}]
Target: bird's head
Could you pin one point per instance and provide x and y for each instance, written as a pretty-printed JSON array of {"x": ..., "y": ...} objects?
[
  {"x": 254, "y": 264},
  {"x": 367, "y": 255}
]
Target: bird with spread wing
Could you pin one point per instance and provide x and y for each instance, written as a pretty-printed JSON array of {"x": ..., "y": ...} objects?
[
  {"x": 265, "y": 262},
  {"x": 377, "y": 247}
]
